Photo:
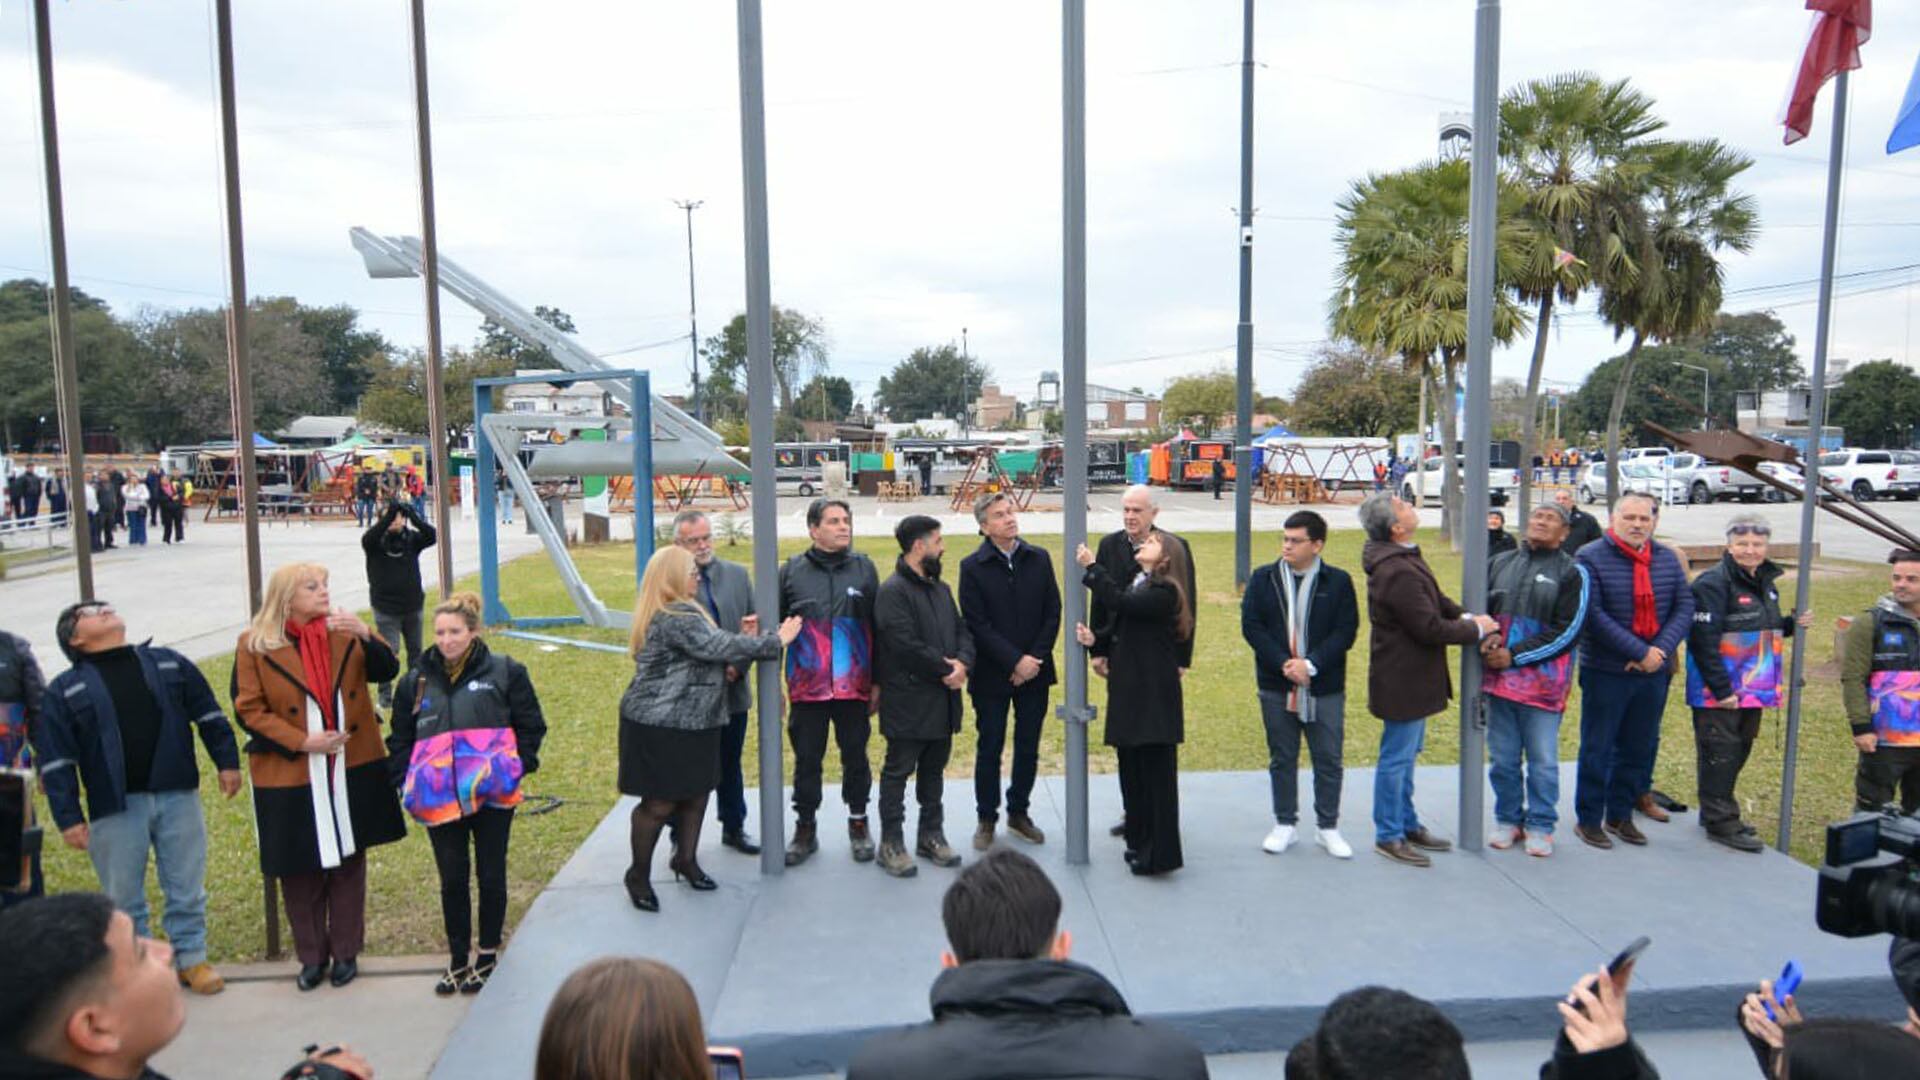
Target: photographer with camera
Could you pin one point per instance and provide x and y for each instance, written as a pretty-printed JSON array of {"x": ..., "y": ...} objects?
[
  {"x": 21, "y": 689},
  {"x": 393, "y": 545},
  {"x": 1880, "y": 684}
]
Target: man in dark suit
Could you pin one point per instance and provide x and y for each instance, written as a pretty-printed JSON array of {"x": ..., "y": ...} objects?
[
  {"x": 1582, "y": 529},
  {"x": 726, "y": 591},
  {"x": 1301, "y": 617},
  {"x": 1011, "y": 602},
  {"x": 1138, "y": 507}
]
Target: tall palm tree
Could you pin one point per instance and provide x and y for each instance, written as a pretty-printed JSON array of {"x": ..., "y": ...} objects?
[
  {"x": 1690, "y": 212},
  {"x": 1402, "y": 282},
  {"x": 1577, "y": 146}
]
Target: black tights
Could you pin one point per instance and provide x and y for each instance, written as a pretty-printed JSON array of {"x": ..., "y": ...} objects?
[
  {"x": 490, "y": 829},
  {"x": 652, "y": 815}
]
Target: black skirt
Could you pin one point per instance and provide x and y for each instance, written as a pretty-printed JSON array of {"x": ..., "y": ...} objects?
[{"x": 668, "y": 763}]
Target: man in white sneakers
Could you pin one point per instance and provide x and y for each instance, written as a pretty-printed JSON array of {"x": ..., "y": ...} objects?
[{"x": 1301, "y": 616}]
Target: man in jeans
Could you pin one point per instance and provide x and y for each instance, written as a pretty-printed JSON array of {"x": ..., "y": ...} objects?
[
  {"x": 830, "y": 674},
  {"x": 120, "y": 723},
  {"x": 1011, "y": 602},
  {"x": 726, "y": 591},
  {"x": 1539, "y": 596},
  {"x": 1301, "y": 617},
  {"x": 1641, "y": 611},
  {"x": 1413, "y": 622},
  {"x": 393, "y": 545}
]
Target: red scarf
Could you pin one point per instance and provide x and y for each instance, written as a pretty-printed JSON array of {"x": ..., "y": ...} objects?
[
  {"x": 1646, "y": 620},
  {"x": 316, "y": 659}
]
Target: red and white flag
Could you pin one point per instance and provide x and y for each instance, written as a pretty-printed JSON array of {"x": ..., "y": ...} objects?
[{"x": 1840, "y": 27}]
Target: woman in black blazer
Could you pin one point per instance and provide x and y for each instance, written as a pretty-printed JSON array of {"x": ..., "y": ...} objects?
[{"x": 1150, "y": 617}]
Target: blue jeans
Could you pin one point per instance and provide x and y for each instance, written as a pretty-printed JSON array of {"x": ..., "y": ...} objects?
[
  {"x": 1514, "y": 729},
  {"x": 1619, "y": 739},
  {"x": 503, "y": 496},
  {"x": 730, "y": 798},
  {"x": 169, "y": 822},
  {"x": 1400, "y": 745},
  {"x": 137, "y": 527}
]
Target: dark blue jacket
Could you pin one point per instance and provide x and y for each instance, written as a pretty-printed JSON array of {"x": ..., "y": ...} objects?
[
  {"x": 1609, "y": 643},
  {"x": 1332, "y": 625},
  {"x": 78, "y": 737},
  {"x": 1011, "y": 611}
]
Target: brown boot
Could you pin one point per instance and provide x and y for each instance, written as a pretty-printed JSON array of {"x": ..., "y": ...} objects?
[
  {"x": 1626, "y": 830},
  {"x": 202, "y": 979},
  {"x": 983, "y": 837},
  {"x": 934, "y": 848},
  {"x": 1023, "y": 827},
  {"x": 805, "y": 842},
  {"x": 1595, "y": 837},
  {"x": 1652, "y": 809},
  {"x": 894, "y": 858},
  {"x": 1402, "y": 852},
  {"x": 860, "y": 838},
  {"x": 1426, "y": 841}
]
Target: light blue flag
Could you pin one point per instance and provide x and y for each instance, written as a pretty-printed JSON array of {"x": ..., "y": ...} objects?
[{"x": 1906, "y": 127}]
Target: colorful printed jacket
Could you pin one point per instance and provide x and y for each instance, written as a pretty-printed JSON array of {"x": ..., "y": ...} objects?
[
  {"x": 21, "y": 690},
  {"x": 832, "y": 659},
  {"x": 1540, "y": 600},
  {"x": 456, "y": 750},
  {"x": 1735, "y": 644},
  {"x": 1880, "y": 674}
]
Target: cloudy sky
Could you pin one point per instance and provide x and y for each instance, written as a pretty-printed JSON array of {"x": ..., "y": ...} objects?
[{"x": 914, "y": 162}]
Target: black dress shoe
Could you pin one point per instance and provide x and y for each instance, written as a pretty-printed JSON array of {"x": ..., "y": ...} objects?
[
  {"x": 640, "y": 893},
  {"x": 344, "y": 972},
  {"x": 310, "y": 976},
  {"x": 740, "y": 842},
  {"x": 1119, "y": 828},
  {"x": 697, "y": 878}
]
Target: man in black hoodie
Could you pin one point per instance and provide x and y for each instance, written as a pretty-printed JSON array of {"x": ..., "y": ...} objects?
[
  {"x": 1010, "y": 1003},
  {"x": 393, "y": 545}
]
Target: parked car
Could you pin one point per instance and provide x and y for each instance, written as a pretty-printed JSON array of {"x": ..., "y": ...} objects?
[
  {"x": 1650, "y": 477},
  {"x": 1871, "y": 474},
  {"x": 1784, "y": 473},
  {"x": 1707, "y": 482},
  {"x": 1590, "y": 486},
  {"x": 1500, "y": 484}
]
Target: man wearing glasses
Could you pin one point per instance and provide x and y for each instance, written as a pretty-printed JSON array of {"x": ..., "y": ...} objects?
[
  {"x": 726, "y": 591},
  {"x": 120, "y": 723}
]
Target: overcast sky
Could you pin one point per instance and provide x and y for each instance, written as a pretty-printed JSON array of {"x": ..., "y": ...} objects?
[{"x": 914, "y": 162}]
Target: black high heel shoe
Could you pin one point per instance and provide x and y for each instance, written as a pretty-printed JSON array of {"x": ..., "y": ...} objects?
[
  {"x": 696, "y": 878},
  {"x": 642, "y": 895}
]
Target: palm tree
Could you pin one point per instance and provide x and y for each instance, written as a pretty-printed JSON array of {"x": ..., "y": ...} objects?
[
  {"x": 1402, "y": 284},
  {"x": 1577, "y": 146},
  {"x": 1688, "y": 214}
]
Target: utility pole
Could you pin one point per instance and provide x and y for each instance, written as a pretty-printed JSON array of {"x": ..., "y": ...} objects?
[
  {"x": 437, "y": 437},
  {"x": 964, "y": 362},
  {"x": 693, "y": 309},
  {"x": 1243, "y": 378}
]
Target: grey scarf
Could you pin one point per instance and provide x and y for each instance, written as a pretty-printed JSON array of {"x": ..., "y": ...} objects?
[{"x": 1299, "y": 610}]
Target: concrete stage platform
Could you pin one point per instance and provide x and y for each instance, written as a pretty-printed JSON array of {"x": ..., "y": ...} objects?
[{"x": 1240, "y": 949}]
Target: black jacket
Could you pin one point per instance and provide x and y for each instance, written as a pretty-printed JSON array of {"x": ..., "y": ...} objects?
[
  {"x": 17, "y": 1065},
  {"x": 1499, "y": 542},
  {"x": 1582, "y": 529},
  {"x": 1013, "y": 610},
  {"x": 393, "y": 562},
  {"x": 1546, "y": 592},
  {"x": 833, "y": 594},
  {"x": 1032, "y": 1019},
  {"x": 916, "y": 629},
  {"x": 1116, "y": 554},
  {"x": 1729, "y": 600},
  {"x": 1624, "y": 1062},
  {"x": 507, "y": 701},
  {"x": 22, "y": 689},
  {"x": 1145, "y": 706},
  {"x": 1332, "y": 625}
]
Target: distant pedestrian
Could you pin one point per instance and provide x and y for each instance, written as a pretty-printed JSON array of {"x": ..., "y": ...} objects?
[
  {"x": 134, "y": 493},
  {"x": 152, "y": 481},
  {"x": 1219, "y": 477},
  {"x": 366, "y": 491},
  {"x": 57, "y": 493}
]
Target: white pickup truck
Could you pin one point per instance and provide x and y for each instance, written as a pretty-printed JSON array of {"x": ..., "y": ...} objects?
[
  {"x": 1423, "y": 488},
  {"x": 1706, "y": 482},
  {"x": 1871, "y": 474}
]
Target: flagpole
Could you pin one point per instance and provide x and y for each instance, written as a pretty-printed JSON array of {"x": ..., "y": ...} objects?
[{"x": 1816, "y": 427}]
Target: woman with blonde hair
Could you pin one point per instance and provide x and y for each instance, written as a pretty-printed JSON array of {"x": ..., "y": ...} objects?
[
  {"x": 321, "y": 795},
  {"x": 466, "y": 728},
  {"x": 673, "y": 712},
  {"x": 623, "y": 1018}
]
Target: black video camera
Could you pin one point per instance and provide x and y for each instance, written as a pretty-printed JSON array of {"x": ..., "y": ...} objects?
[
  {"x": 1870, "y": 882},
  {"x": 19, "y": 837}
]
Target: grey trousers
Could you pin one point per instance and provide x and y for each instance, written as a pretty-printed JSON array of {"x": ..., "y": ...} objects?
[
  {"x": 398, "y": 631},
  {"x": 1326, "y": 742}
]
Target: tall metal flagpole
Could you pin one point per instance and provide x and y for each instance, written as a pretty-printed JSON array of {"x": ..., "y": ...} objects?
[
  {"x": 66, "y": 370},
  {"x": 1816, "y": 427},
  {"x": 693, "y": 309},
  {"x": 1076, "y": 713},
  {"x": 239, "y": 362},
  {"x": 760, "y": 390},
  {"x": 1478, "y": 434},
  {"x": 1243, "y": 343},
  {"x": 430, "y": 276}
]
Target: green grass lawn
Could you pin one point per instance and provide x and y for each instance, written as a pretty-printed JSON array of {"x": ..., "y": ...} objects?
[{"x": 580, "y": 691}]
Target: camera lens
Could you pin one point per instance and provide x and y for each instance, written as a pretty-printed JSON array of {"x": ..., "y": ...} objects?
[{"x": 1893, "y": 901}]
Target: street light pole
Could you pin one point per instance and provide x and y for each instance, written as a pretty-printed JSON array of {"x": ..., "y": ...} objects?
[
  {"x": 1243, "y": 333},
  {"x": 965, "y": 360},
  {"x": 1706, "y": 392},
  {"x": 693, "y": 309}
]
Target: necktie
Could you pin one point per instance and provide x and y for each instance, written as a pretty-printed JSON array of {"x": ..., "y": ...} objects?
[{"x": 706, "y": 594}]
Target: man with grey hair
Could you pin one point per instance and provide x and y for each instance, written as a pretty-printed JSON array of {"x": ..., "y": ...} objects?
[
  {"x": 1139, "y": 505},
  {"x": 1413, "y": 622},
  {"x": 726, "y": 591},
  {"x": 1011, "y": 604}
]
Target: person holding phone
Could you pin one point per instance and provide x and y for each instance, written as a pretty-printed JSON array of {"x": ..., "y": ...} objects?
[
  {"x": 1150, "y": 626},
  {"x": 22, "y": 689},
  {"x": 392, "y": 544},
  {"x": 1594, "y": 1042},
  {"x": 303, "y": 673}
]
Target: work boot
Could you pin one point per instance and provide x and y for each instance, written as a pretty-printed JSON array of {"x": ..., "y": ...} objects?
[
  {"x": 983, "y": 836},
  {"x": 1626, "y": 830},
  {"x": 933, "y": 847},
  {"x": 1650, "y": 809},
  {"x": 860, "y": 838},
  {"x": 804, "y": 843},
  {"x": 1023, "y": 827},
  {"x": 894, "y": 858},
  {"x": 1737, "y": 840}
]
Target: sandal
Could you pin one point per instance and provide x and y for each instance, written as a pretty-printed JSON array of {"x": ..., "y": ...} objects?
[
  {"x": 451, "y": 982},
  {"x": 478, "y": 974}
]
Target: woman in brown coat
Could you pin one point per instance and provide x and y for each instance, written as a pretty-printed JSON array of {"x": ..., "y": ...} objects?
[{"x": 321, "y": 795}]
